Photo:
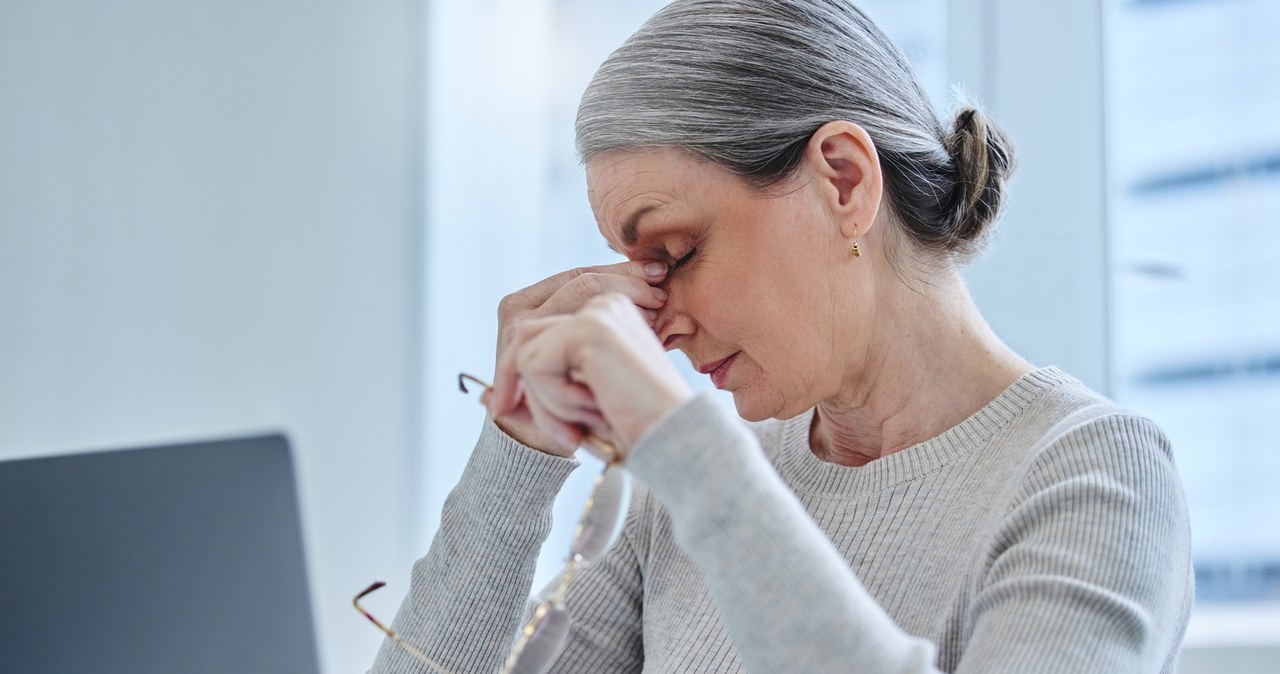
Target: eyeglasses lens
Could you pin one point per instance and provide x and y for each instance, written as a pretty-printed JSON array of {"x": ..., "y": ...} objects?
[
  {"x": 543, "y": 645},
  {"x": 601, "y": 520},
  {"x": 602, "y": 515}
]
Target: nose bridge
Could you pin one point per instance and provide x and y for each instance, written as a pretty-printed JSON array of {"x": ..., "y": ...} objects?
[{"x": 673, "y": 322}]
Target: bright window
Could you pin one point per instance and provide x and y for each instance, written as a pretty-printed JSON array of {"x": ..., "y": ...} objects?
[{"x": 1193, "y": 99}]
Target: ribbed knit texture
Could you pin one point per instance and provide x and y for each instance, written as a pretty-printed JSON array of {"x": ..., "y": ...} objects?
[{"x": 1046, "y": 533}]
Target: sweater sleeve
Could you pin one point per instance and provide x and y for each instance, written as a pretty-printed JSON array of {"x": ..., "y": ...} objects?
[
  {"x": 1090, "y": 570},
  {"x": 787, "y": 597},
  {"x": 468, "y": 595}
]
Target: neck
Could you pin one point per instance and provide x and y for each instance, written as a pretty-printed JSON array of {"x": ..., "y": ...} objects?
[{"x": 933, "y": 362}]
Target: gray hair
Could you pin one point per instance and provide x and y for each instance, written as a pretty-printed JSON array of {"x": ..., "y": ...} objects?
[{"x": 746, "y": 83}]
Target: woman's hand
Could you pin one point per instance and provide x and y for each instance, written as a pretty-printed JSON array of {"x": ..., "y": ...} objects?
[
  {"x": 564, "y": 294},
  {"x": 600, "y": 370}
]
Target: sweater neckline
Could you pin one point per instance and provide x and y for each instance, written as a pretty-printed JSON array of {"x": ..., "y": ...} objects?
[{"x": 806, "y": 473}]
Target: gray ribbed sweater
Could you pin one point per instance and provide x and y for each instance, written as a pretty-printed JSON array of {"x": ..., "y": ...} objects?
[{"x": 1046, "y": 533}]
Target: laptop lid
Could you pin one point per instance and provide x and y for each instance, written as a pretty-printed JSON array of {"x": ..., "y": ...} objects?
[{"x": 184, "y": 558}]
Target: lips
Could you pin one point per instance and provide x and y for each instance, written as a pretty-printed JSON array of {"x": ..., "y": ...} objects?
[
  {"x": 718, "y": 369},
  {"x": 709, "y": 367}
]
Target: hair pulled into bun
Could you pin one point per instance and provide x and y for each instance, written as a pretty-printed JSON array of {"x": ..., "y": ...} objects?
[{"x": 983, "y": 160}]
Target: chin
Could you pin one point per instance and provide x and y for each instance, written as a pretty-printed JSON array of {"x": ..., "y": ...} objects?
[
  {"x": 752, "y": 409},
  {"x": 758, "y": 408}
]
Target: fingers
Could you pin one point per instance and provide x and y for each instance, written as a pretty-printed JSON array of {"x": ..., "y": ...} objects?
[
  {"x": 506, "y": 394},
  {"x": 566, "y": 292},
  {"x": 645, "y": 272},
  {"x": 566, "y": 400},
  {"x": 636, "y": 280},
  {"x": 538, "y": 384},
  {"x": 596, "y": 370},
  {"x": 562, "y": 409},
  {"x": 566, "y": 434},
  {"x": 575, "y": 294}
]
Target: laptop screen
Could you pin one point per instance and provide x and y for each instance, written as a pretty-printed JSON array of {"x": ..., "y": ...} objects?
[{"x": 185, "y": 558}]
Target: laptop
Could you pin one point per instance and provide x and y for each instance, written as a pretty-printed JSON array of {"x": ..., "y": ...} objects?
[{"x": 178, "y": 559}]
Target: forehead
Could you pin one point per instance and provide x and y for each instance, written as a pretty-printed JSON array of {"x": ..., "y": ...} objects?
[{"x": 629, "y": 187}]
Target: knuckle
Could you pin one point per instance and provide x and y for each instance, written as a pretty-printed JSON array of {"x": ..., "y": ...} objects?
[
  {"x": 590, "y": 284},
  {"x": 509, "y": 305}
]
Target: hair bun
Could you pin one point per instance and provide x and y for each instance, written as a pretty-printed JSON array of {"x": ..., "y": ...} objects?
[{"x": 983, "y": 160}]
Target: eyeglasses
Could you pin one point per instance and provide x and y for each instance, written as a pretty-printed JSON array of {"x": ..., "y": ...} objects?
[{"x": 544, "y": 635}]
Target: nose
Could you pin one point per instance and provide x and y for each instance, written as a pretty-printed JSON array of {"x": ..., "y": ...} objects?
[{"x": 673, "y": 327}]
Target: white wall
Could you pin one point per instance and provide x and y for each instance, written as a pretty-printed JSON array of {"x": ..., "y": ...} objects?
[{"x": 208, "y": 217}]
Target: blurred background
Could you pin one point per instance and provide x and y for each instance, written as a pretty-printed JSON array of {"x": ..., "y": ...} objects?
[{"x": 225, "y": 217}]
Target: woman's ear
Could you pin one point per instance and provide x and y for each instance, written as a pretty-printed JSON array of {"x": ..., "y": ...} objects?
[{"x": 843, "y": 159}]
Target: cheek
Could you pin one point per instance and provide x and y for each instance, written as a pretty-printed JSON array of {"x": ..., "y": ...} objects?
[
  {"x": 793, "y": 341},
  {"x": 760, "y": 304},
  {"x": 723, "y": 299}
]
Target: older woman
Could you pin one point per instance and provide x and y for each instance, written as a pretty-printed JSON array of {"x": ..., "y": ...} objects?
[{"x": 912, "y": 497}]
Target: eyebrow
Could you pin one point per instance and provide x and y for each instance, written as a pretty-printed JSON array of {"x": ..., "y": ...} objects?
[{"x": 630, "y": 228}]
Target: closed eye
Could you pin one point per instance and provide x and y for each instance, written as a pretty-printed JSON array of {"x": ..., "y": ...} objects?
[{"x": 685, "y": 260}]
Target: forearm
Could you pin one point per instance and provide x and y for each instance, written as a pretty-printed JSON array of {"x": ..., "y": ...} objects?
[
  {"x": 468, "y": 594},
  {"x": 789, "y": 600}
]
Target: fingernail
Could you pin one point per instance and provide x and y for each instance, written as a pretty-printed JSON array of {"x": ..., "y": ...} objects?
[
  {"x": 655, "y": 269},
  {"x": 651, "y": 315},
  {"x": 659, "y": 293}
]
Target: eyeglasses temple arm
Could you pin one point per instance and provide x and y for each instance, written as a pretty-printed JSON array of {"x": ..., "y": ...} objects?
[{"x": 395, "y": 637}]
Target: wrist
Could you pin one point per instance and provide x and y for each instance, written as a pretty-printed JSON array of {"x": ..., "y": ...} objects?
[
  {"x": 533, "y": 438},
  {"x": 667, "y": 399},
  {"x": 678, "y": 402}
]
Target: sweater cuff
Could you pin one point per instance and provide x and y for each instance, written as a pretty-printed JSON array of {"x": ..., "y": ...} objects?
[{"x": 504, "y": 471}]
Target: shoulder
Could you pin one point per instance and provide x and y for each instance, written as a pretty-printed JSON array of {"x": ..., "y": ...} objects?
[
  {"x": 1082, "y": 466},
  {"x": 1095, "y": 470},
  {"x": 1072, "y": 430}
]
